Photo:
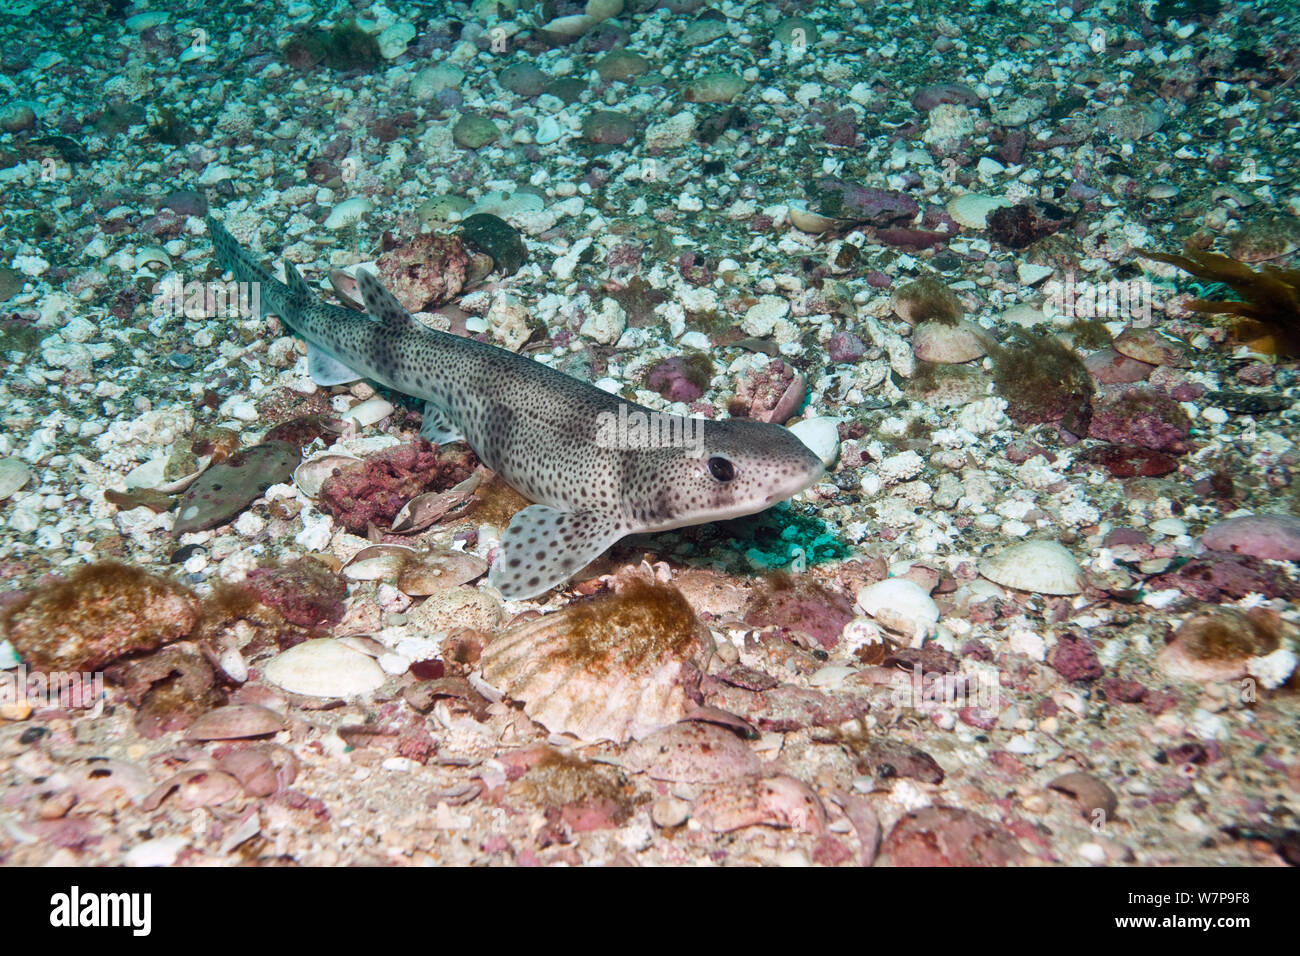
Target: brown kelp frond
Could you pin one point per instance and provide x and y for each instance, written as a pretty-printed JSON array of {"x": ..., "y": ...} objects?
[{"x": 1269, "y": 315}]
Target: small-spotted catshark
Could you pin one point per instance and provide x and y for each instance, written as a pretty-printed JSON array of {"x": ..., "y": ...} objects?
[{"x": 546, "y": 434}]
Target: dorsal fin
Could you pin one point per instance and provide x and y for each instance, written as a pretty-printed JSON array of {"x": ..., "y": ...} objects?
[
  {"x": 297, "y": 284},
  {"x": 381, "y": 304}
]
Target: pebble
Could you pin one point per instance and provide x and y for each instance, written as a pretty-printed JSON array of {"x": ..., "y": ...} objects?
[{"x": 821, "y": 435}]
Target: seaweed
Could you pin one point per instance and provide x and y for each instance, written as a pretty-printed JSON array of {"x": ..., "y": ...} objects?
[
  {"x": 1043, "y": 381},
  {"x": 1267, "y": 320}
]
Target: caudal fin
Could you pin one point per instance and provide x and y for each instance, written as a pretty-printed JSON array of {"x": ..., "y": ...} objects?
[{"x": 239, "y": 262}]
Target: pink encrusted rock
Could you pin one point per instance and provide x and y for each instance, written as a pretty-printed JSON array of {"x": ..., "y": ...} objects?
[
  {"x": 1272, "y": 537},
  {"x": 426, "y": 271},
  {"x": 305, "y": 591},
  {"x": 948, "y": 836},
  {"x": 1074, "y": 658},
  {"x": 1219, "y": 575},
  {"x": 845, "y": 348},
  {"x": 772, "y": 394},
  {"x": 373, "y": 491},
  {"x": 1142, "y": 417}
]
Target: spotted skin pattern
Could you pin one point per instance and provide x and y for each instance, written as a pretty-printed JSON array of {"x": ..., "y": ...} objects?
[{"x": 538, "y": 429}]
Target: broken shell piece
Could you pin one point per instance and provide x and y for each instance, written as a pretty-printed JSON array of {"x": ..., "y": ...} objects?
[
  {"x": 1152, "y": 347},
  {"x": 1040, "y": 567},
  {"x": 947, "y": 344},
  {"x": 369, "y": 412},
  {"x": 611, "y": 668},
  {"x": 439, "y": 571},
  {"x": 806, "y": 220},
  {"x": 573, "y": 26},
  {"x": 900, "y": 605},
  {"x": 345, "y": 287},
  {"x": 150, "y": 255},
  {"x": 426, "y": 509},
  {"x": 311, "y": 474},
  {"x": 775, "y": 802},
  {"x": 379, "y": 562},
  {"x": 1217, "y": 644}
]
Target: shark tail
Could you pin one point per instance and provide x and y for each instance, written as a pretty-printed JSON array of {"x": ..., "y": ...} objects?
[{"x": 240, "y": 263}]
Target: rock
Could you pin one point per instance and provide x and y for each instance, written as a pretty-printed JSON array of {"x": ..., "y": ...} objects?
[
  {"x": 1142, "y": 417},
  {"x": 821, "y": 435},
  {"x": 1110, "y": 367},
  {"x": 845, "y": 348},
  {"x": 608, "y": 128},
  {"x": 713, "y": 88},
  {"x": 348, "y": 212},
  {"x": 306, "y": 592},
  {"x": 947, "y": 344},
  {"x": 622, "y": 65},
  {"x": 425, "y": 271},
  {"x": 374, "y": 490},
  {"x": 497, "y": 238},
  {"x": 523, "y": 79},
  {"x": 1273, "y": 537},
  {"x": 948, "y": 836},
  {"x": 1040, "y": 567},
  {"x": 324, "y": 668},
  {"x": 1152, "y": 347},
  {"x": 95, "y": 615},
  {"x": 474, "y": 131}
]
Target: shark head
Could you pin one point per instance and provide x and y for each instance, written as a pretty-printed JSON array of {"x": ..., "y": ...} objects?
[{"x": 736, "y": 467}]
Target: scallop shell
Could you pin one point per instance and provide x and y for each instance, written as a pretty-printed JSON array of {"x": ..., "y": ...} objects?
[
  {"x": 14, "y": 473},
  {"x": 1041, "y": 567},
  {"x": 612, "y": 668}
]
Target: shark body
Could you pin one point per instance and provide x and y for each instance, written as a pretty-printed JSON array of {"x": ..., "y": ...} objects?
[{"x": 551, "y": 437}]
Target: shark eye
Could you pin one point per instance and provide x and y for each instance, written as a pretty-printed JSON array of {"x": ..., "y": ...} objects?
[{"x": 721, "y": 468}]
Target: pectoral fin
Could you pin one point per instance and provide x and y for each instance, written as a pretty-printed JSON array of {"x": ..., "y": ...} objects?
[
  {"x": 543, "y": 547},
  {"x": 437, "y": 427},
  {"x": 327, "y": 370}
]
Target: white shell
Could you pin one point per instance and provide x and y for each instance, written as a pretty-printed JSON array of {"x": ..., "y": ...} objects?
[
  {"x": 370, "y": 411},
  {"x": 324, "y": 668},
  {"x": 311, "y": 474},
  {"x": 972, "y": 210},
  {"x": 900, "y": 605},
  {"x": 573, "y": 26},
  {"x": 1041, "y": 567}
]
